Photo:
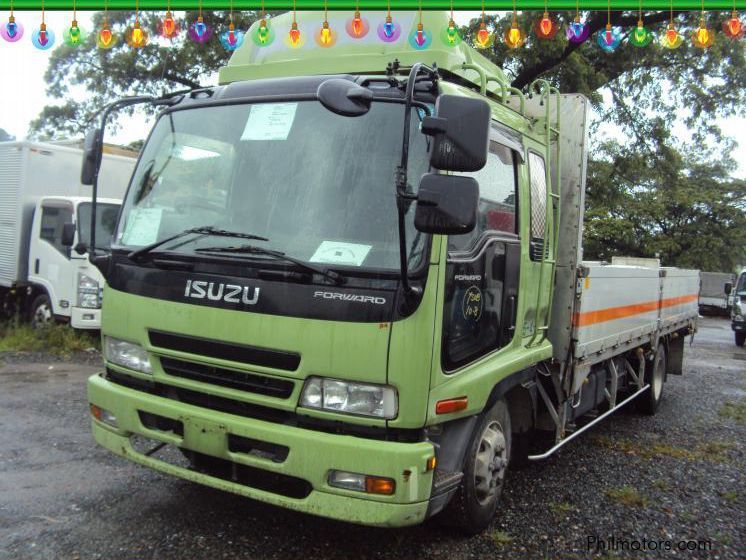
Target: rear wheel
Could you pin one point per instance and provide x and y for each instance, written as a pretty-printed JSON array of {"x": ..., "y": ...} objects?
[
  {"x": 475, "y": 503},
  {"x": 40, "y": 313},
  {"x": 655, "y": 375},
  {"x": 740, "y": 338}
]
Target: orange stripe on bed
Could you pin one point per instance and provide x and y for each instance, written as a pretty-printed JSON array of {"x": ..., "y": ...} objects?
[{"x": 612, "y": 313}]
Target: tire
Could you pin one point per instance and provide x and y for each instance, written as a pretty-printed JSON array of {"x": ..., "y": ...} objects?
[
  {"x": 40, "y": 313},
  {"x": 740, "y": 338},
  {"x": 655, "y": 376},
  {"x": 474, "y": 505}
]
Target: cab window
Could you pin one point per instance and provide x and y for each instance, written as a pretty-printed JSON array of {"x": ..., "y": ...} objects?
[{"x": 53, "y": 218}]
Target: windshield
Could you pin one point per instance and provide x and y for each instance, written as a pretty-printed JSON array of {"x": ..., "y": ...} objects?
[
  {"x": 106, "y": 221},
  {"x": 319, "y": 186}
]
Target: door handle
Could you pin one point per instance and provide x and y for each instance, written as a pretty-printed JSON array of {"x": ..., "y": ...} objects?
[
  {"x": 512, "y": 309},
  {"x": 36, "y": 266}
]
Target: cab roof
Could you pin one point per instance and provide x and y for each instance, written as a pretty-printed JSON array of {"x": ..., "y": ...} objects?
[{"x": 368, "y": 55}]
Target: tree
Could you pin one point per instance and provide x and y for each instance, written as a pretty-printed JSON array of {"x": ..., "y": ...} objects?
[{"x": 87, "y": 78}]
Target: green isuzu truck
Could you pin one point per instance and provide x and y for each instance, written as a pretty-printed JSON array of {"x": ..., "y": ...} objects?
[{"x": 347, "y": 281}]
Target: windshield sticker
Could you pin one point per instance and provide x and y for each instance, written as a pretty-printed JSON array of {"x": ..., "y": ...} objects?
[
  {"x": 142, "y": 226},
  {"x": 269, "y": 121},
  {"x": 339, "y": 252}
]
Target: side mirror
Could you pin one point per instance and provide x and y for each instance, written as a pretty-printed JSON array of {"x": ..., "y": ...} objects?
[
  {"x": 81, "y": 248},
  {"x": 446, "y": 204},
  {"x": 344, "y": 97},
  {"x": 68, "y": 234},
  {"x": 461, "y": 133},
  {"x": 91, "y": 156},
  {"x": 728, "y": 288}
]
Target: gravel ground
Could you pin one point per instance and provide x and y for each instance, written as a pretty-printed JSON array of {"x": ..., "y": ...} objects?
[{"x": 677, "y": 477}]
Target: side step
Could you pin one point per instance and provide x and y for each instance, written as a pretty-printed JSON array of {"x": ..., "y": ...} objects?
[
  {"x": 587, "y": 426},
  {"x": 445, "y": 481}
]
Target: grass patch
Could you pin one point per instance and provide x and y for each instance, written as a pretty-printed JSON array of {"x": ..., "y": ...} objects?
[
  {"x": 713, "y": 451},
  {"x": 60, "y": 340},
  {"x": 734, "y": 410},
  {"x": 561, "y": 508},
  {"x": 730, "y": 495},
  {"x": 501, "y": 538},
  {"x": 628, "y": 496}
]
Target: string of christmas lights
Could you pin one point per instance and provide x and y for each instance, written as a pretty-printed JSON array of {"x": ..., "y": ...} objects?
[{"x": 388, "y": 30}]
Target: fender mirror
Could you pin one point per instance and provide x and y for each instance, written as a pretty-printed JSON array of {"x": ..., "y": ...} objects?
[
  {"x": 68, "y": 234},
  {"x": 91, "y": 156},
  {"x": 344, "y": 97}
]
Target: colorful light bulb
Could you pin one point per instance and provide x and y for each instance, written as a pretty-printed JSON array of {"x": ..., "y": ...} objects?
[
  {"x": 135, "y": 36},
  {"x": 263, "y": 32},
  {"x": 671, "y": 39},
  {"x": 294, "y": 35},
  {"x": 357, "y": 25},
  {"x": 11, "y": 31},
  {"x": 546, "y": 28},
  {"x": 106, "y": 39},
  {"x": 577, "y": 32},
  {"x": 514, "y": 37},
  {"x": 199, "y": 31},
  {"x": 640, "y": 36},
  {"x": 74, "y": 35},
  {"x": 231, "y": 39},
  {"x": 452, "y": 33},
  {"x": 43, "y": 38},
  {"x": 420, "y": 36},
  {"x": 168, "y": 28},
  {"x": 483, "y": 36},
  {"x": 388, "y": 27},
  {"x": 703, "y": 37},
  {"x": 733, "y": 27},
  {"x": 325, "y": 36},
  {"x": 609, "y": 39}
]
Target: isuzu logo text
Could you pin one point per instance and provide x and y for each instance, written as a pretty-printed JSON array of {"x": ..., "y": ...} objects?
[
  {"x": 350, "y": 297},
  {"x": 230, "y": 293}
]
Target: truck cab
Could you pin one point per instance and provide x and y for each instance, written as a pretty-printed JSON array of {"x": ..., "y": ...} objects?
[
  {"x": 737, "y": 296},
  {"x": 68, "y": 287}
]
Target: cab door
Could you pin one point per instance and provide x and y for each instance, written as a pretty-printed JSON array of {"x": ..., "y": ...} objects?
[
  {"x": 49, "y": 260},
  {"x": 482, "y": 269}
]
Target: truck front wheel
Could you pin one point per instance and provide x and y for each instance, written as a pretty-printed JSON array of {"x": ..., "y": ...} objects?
[
  {"x": 655, "y": 375},
  {"x": 40, "y": 313},
  {"x": 475, "y": 503},
  {"x": 740, "y": 338}
]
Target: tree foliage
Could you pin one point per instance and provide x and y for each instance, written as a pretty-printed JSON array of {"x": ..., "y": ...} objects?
[{"x": 647, "y": 194}]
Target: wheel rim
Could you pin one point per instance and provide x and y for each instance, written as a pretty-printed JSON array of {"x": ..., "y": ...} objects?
[
  {"x": 42, "y": 315},
  {"x": 658, "y": 378},
  {"x": 490, "y": 462}
]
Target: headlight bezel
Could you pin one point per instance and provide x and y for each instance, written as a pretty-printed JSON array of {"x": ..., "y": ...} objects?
[
  {"x": 316, "y": 389},
  {"x": 127, "y": 354}
]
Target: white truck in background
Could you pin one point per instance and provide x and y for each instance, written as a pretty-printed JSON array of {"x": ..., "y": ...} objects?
[
  {"x": 737, "y": 296},
  {"x": 44, "y": 230},
  {"x": 712, "y": 292}
]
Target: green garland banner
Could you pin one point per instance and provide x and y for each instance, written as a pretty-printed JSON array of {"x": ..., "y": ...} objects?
[{"x": 474, "y": 5}]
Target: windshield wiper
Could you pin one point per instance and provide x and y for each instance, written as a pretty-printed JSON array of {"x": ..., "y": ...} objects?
[
  {"x": 204, "y": 231},
  {"x": 279, "y": 255}
]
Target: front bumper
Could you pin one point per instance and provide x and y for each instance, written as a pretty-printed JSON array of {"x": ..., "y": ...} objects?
[
  {"x": 85, "y": 318},
  {"x": 311, "y": 455}
]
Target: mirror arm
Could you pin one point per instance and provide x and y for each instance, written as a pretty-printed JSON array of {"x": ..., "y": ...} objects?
[
  {"x": 400, "y": 175},
  {"x": 126, "y": 102}
]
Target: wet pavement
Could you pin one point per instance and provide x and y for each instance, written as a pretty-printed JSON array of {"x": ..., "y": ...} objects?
[{"x": 678, "y": 477}]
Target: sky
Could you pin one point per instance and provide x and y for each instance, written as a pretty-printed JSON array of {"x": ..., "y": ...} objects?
[{"x": 24, "y": 95}]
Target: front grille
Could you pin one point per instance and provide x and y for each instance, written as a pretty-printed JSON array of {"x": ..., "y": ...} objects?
[
  {"x": 232, "y": 379},
  {"x": 251, "y": 355}
]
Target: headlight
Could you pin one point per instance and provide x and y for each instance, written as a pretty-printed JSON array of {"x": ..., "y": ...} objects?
[
  {"x": 350, "y": 398},
  {"x": 88, "y": 292},
  {"x": 127, "y": 354}
]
